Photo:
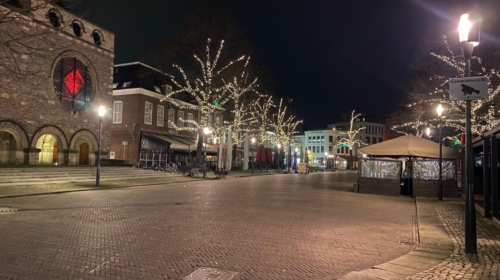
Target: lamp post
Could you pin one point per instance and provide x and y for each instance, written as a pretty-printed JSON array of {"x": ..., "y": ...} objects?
[
  {"x": 279, "y": 147},
  {"x": 326, "y": 160},
  {"x": 289, "y": 141},
  {"x": 439, "y": 111},
  {"x": 253, "y": 142},
  {"x": 206, "y": 131},
  {"x": 468, "y": 41},
  {"x": 101, "y": 112},
  {"x": 295, "y": 158}
]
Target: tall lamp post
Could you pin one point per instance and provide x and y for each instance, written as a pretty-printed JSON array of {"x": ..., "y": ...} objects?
[
  {"x": 326, "y": 160},
  {"x": 101, "y": 112},
  {"x": 439, "y": 111},
  {"x": 289, "y": 141},
  {"x": 468, "y": 41},
  {"x": 253, "y": 143},
  {"x": 279, "y": 147},
  {"x": 206, "y": 131}
]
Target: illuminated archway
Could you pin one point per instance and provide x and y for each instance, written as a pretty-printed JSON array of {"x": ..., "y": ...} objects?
[{"x": 48, "y": 145}]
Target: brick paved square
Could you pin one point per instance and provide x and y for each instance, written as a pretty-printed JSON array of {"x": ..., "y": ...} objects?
[{"x": 270, "y": 227}]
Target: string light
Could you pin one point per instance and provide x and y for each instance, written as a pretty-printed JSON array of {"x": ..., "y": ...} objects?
[
  {"x": 483, "y": 115},
  {"x": 350, "y": 136}
]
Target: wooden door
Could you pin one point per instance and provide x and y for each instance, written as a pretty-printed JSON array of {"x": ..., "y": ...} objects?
[{"x": 84, "y": 154}]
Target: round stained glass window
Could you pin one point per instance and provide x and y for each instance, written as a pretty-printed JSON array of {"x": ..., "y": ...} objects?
[{"x": 72, "y": 83}]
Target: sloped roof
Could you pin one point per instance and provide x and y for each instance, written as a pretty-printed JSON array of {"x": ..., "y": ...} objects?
[{"x": 409, "y": 145}]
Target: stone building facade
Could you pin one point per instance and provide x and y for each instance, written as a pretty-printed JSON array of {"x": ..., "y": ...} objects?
[{"x": 54, "y": 79}]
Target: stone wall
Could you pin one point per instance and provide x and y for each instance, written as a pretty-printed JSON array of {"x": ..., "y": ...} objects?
[{"x": 29, "y": 106}]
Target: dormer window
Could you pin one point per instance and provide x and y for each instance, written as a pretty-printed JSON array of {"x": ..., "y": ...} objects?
[
  {"x": 126, "y": 84},
  {"x": 115, "y": 85},
  {"x": 157, "y": 89},
  {"x": 168, "y": 89}
]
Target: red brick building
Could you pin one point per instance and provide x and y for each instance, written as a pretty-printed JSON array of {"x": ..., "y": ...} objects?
[{"x": 140, "y": 128}]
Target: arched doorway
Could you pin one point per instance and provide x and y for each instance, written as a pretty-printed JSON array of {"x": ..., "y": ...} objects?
[
  {"x": 8, "y": 146},
  {"x": 84, "y": 154},
  {"x": 47, "y": 143}
]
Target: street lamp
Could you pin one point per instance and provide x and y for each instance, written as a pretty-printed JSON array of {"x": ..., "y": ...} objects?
[
  {"x": 439, "y": 111},
  {"x": 253, "y": 142},
  {"x": 206, "y": 131},
  {"x": 101, "y": 112},
  {"x": 428, "y": 131},
  {"x": 469, "y": 38}
]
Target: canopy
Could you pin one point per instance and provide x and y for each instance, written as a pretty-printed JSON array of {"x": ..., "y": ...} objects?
[{"x": 409, "y": 145}]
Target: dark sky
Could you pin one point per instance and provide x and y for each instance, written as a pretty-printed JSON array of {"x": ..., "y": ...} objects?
[{"x": 329, "y": 56}]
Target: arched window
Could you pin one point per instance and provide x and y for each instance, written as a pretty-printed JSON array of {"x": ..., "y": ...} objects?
[{"x": 72, "y": 83}]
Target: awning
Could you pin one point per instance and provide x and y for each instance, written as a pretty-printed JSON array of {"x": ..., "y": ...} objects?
[{"x": 176, "y": 143}]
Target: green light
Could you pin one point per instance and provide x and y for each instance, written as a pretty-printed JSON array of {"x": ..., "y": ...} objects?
[
  {"x": 345, "y": 145},
  {"x": 457, "y": 142},
  {"x": 216, "y": 104}
]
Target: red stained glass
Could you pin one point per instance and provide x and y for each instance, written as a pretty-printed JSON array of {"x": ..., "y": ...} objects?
[{"x": 74, "y": 82}]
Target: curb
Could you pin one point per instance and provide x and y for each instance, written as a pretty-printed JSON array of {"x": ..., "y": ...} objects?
[
  {"x": 89, "y": 189},
  {"x": 433, "y": 248}
]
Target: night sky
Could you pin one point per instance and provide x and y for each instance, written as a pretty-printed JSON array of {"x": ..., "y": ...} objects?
[{"x": 329, "y": 56}]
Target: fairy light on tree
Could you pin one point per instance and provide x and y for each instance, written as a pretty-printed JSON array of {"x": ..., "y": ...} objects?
[
  {"x": 418, "y": 112},
  {"x": 206, "y": 88},
  {"x": 349, "y": 139},
  {"x": 283, "y": 125},
  {"x": 260, "y": 110}
]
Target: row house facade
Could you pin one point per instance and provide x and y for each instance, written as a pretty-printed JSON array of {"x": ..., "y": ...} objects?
[{"x": 142, "y": 124}]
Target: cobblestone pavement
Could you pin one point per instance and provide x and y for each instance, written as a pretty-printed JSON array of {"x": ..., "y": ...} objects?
[
  {"x": 266, "y": 227},
  {"x": 484, "y": 265}
]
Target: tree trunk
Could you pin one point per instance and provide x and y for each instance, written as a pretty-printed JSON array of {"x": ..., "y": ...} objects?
[{"x": 199, "y": 149}]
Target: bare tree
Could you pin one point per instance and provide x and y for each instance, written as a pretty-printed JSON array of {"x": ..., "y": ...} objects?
[{"x": 349, "y": 138}]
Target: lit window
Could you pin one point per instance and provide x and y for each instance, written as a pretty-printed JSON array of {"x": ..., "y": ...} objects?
[
  {"x": 127, "y": 84},
  {"x": 115, "y": 85},
  {"x": 117, "y": 111},
  {"x": 190, "y": 119},
  {"x": 157, "y": 89},
  {"x": 180, "y": 118},
  {"x": 171, "y": 116},
  {"x": 72, "y": 83},
  {"x": 148, "y": 113},
  {"x": 322, "y": 139},
  {"x": 160, "y": 116},
  {"x": 309, "y": 139}
]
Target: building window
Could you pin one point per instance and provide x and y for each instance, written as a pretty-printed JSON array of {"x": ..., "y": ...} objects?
[
  {"x": 338, "y": 150},
  {"x": 338, "y": 137},
  {"x": 126, "y": 84},
  {"x": 380, "y": 140},
  {"x": 157, "y": 89},
  {"x": 117, "y": 111},
  {"x": 330, "y": 139},
  {"x": 330, "y": 149},
  {"x": 190, "y": 119},
  {"x": 148, "y": 113},
  {"x": 160, "y": 116},
  {"x": 322, "y": 139},
  {"x": 115, "y": 85},
  {"x": 309, "y": 139},
  {"x": 168, "y": 89},
  {"x": 314, "y": 139},
  {"x": 72, "y": 83},
  {"x": 322, "y": 149},
  {"x": 367, "y": 140},
  {"x": 314, "y": 149},
  {"x": 374, "y": 140},
  {"x": 218, "y": 120},
  {"x": 180, "y": 118},
  {"x": 171, "y": 116},
  {"x": 210, "y": 121},
  {"x": 368, "y": 129}
]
